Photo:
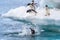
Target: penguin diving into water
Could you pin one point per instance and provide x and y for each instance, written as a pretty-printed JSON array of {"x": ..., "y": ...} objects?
[
  {"x": 32, "y": 7},
  {"x": 32, "y": 31}
]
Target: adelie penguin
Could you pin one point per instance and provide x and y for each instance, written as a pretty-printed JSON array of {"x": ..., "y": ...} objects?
[
  {"x": 47, "y": 10},
  {"x": 32, "y": 7},
  {"x": 32, "y": 31}
]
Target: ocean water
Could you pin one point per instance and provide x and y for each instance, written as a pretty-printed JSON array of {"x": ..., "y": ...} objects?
[
  {"x": 16, "y": 29},
  {"x": 9, "y": 30}
]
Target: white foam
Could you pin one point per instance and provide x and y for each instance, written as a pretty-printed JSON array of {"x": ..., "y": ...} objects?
[{"x": 20, "y": 12}]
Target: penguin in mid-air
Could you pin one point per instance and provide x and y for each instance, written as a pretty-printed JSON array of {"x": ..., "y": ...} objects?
[{"x": 32, "y": 7}]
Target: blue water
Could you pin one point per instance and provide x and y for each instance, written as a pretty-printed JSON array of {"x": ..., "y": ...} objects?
[{"x": 9, "y": 29}]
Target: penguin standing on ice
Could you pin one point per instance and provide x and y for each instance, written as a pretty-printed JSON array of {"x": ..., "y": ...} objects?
[
  {"x": 32, "y": 7},
  {"x": 47, "y": 10}
]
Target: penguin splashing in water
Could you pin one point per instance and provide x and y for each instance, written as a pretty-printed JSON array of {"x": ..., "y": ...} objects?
[{"x": 32, "y": 31}]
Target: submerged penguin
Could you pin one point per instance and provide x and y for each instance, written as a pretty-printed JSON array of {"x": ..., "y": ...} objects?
[{"x": 32, "y": 31}]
